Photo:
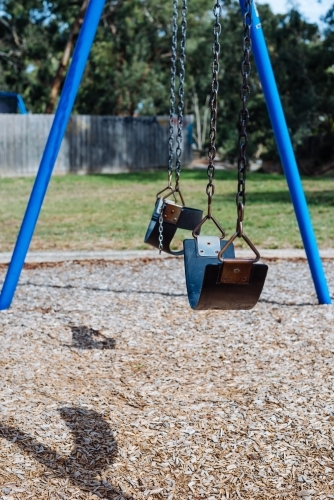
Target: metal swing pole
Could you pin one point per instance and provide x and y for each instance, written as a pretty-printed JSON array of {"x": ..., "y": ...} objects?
[
  {"x": 63, "y": 112},
  {"x": 287, "y": 156}
]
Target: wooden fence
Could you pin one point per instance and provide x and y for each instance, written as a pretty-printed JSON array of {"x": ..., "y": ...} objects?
[{"x": 92, "y": 144}]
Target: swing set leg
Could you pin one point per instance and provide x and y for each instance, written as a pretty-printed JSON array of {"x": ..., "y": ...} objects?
[
  {"x": 286, "y": 153},
  {"x": 63, "y": 112}
]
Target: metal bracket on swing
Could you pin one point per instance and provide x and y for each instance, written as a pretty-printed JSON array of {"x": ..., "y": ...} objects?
[
  {"x": 208, "y": 246},
  {"x": 174, "y": 216},
  {"x": 237, "y": 271},
  {"x": 171, "y": 212}
]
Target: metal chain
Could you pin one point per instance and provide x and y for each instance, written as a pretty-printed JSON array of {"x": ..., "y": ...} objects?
[
  {"x": 172, "y": 94},
  {"x": 172, "y": 106},
  {"x": 182, "y": 59},
  {"x": 244, "y": 113},
  {"x": 210, "y": 188},
  {"x": 161, "y": 228}
]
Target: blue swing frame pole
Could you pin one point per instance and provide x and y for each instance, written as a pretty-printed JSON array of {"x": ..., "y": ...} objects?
[
  {"x": 57, "y": 132},
  {"x": 287, "y": 156}
]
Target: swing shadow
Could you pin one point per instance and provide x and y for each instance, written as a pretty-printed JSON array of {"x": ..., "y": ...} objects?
[
  {"x": 97, "y": 289},
  {"x": 287, "y": 304},
  {"x": 84, "y": 337},
  {"x": 94, "y": 448}
]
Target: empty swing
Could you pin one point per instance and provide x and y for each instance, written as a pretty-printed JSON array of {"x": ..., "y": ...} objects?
[
  {"x": 215, "y": 278},
  {"x": 169, "y": 214}
]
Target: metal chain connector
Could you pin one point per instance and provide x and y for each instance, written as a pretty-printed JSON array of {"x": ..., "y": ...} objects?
[
  {"x": 210, "y": 188},
  {"x": 181, "y": 93},
  {"x": 244, "y": 114}
]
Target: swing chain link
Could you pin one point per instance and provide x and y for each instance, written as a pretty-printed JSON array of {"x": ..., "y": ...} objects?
[
  {"x": 210, "y": 188},
  {"x": 182, "y": 60},
  {"x": 161, "y": 228},
  {"x": 244, "y": 114},
  {"x": 172, "y": 94}
]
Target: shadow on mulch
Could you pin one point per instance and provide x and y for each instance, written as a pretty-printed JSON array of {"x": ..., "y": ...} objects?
[
  {"x": 94, "y": 447},
  {"x": 84, "y": 337}
]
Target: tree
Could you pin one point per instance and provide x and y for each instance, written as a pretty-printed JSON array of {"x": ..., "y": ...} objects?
[
  {"x": 33, "y": 35},
  {"x": 65, "y": 58},
  {"x": 129, "y": 67}
]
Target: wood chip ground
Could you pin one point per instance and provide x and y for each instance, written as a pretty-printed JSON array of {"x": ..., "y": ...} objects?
[{"x": 112, "y": 387}]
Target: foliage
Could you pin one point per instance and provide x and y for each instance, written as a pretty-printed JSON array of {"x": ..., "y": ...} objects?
[
  {"x": 33, "y": 34},
  {"x": 129, "y": 67}
]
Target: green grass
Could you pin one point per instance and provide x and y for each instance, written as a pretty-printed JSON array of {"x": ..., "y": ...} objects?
[{"x": 112, "y": 211}]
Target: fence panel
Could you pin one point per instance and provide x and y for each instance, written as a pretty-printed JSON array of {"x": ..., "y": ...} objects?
[{"x": 92, "y": 144}]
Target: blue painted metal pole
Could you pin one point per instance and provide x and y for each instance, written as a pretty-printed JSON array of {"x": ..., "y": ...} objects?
[
  {"x": 63, "y": 112},
  {"x": 21, "y": 105},
  {"x": 288, "y": 160}
]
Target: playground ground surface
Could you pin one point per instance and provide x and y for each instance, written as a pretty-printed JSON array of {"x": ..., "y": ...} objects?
[{"x": 112, "y": 387}]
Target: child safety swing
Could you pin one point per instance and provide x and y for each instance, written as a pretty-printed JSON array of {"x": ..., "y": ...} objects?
[
  {"x": 168, "y": 215},
  {"x": 215, "y": 278}
]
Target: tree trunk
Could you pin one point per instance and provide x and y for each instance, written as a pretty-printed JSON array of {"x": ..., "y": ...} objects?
[
  {"x": 65, "y": 58},
  {"x": 198, "y": 135}
]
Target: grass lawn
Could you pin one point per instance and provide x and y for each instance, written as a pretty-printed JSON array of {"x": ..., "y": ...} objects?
[{"x": 112, "y": 211}]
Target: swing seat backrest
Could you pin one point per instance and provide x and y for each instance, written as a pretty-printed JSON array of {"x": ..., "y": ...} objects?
[{"x": 233, "y": 284}]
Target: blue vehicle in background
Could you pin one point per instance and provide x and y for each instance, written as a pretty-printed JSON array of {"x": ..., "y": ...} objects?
[{"x": 12, "y": 103}]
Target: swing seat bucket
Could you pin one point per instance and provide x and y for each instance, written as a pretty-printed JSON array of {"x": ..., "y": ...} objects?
[
  {"x": 233, "y": 284},
  {"x": 174, "y": 217}
]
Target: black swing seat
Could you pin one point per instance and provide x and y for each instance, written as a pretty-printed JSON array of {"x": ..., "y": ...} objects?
[
  {"x": 174, "y": 217},
  {"x": 212, "y": 284}
]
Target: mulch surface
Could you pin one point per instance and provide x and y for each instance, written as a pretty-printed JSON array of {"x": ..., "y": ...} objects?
[{"x": 112, "y": 387}]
